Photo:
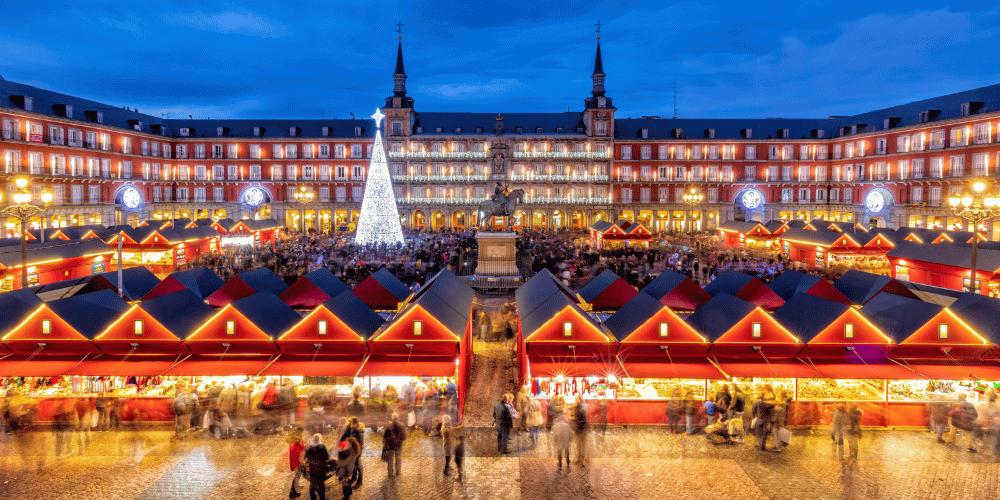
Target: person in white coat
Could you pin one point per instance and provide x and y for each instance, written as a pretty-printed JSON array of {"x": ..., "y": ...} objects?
[{"x": 562, "y": 436}]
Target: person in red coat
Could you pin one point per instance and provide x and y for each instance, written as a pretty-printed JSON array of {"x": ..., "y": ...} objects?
[{"x": 296, "y": 448}]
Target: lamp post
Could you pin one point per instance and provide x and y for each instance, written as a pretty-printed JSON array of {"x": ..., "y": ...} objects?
[
  {"x": 23, "y": 210},
  {"x": 692, "y": 199},
  {"x": 975, "y": 207},
  {"x": 304, "y": 196}
]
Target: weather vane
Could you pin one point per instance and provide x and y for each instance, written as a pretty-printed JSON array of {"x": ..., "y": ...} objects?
[
  {"x": 399, "y": 29},
  {"x": 378, "y": 116},
  {"x": 598, "y": 30}
]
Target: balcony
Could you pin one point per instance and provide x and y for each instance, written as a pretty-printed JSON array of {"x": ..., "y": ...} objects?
[
  {"x": 451, "y": 155},
  {"x": 559, "y": 178},
  {"x": 538, "y": 200},
  {"x": 440, "y": 178},
  {"x": 582, "y": 155}
]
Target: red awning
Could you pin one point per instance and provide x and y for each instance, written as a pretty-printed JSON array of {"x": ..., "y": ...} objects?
[
  {"x": 220, "y": 368},
  {"x": 322, "y": 368},
  {"x": 665, "y": 369},
  {"x": 959, "y": 372},
  {"x": 412, "y": 368},
  {"x": 783, "y": 369},
  {"x": 570, "y": 368},
  {"x": 35, "y": 368},
  {"x": 889, "y": 371}
]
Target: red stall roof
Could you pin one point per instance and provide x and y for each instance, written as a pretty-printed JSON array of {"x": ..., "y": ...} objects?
[
  {"x": 676, "y": 291},
  {"x": 607, "y": 291},
  {"x": 313, "y": 289},
  {"x": 381, "y": 290},
  {"x": 746, "y": 287}
]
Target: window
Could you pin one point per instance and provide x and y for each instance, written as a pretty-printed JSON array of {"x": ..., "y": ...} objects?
[
  {"x": 904, "y": 169},
  {"x": 979, "y": 163},
  {"x": 750, "y": 153},
  {"x": 355, "y": 151},
  {"x": 418, "y": 328},
  {"x": 397, "y": 128},
  {"x": 12, "y": 132},
  {"x": 664, "y": 195},
  {"x": 804, "y": 195},
  {"x": 959, "y": 136},
  {"x": 340, "y": 193},
  {"x": 567, "y": 329},
  {"x": 230, "y": 327},
  {"x": 56, "y": 135},
  {"x": 803, "y": 174},
  {"x": 199, "y": 172},
  {"x": 749, "y": 172},
  {"x": 182, "y": 194},
  {"x": 937, "y": 167},
  {"x": 848, "y": 330},
  {"x": 937, "y": 139},
  {"x": 848, "y": 195},
  {"x": 696, "y": 152},
  {"x": 981, "y": 133},
  {"x": 712, "y": 196},
  {"x": 94, "y": 194},
  {"x": 664, "y": 329},
  {"x": 199, "y": 194},
  {"x": 942, "y": 331},
  {"x": 217, "y": 194},
  {"x": 916, "y": 194},
  {"x": 755, "y": 330},
  {"x": 324, "y": 193},
  {"x": 137, "y": 327},
  {"x": 234, "y": 150},
  {"x": 626, "y": 152},
  {"x": 601, "y": 127},
  {"x": 46, "y": 327},
  {"x": 292, "y": 151},
  {"x": 957, "y": 166},
  {"x": 772, "y": 152},
  {"x": 646, "y": 152},
  {"x": 786, "y": 195},
  {"x": 626, "y": 195},
  {"x": 321, "y": 327},
  {"x": 199, "y": 150},
  {"x": 918, "y": 168}
]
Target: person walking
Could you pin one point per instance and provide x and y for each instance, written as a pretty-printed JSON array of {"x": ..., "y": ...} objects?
[
  {"x": 460, "y": 455},
  {"x": 448, "y": 439},
  {"x": 738, "y": 407},
  {"x": 317, "y": 458},
  {"x": 779, "y": 419},
  {"x": 392, "y": 445},
  {"x": 503, "y": 420},
  {"x": 520, "y": 406},
  {"x": 562, "y": 436},
  {"x": 356, "y": 430},
  {"x": 762, "y": 419},
  {"x": 103, "y": 405},
  {"x": 557, "y": 406},
  {"x": 296, "y": 452},
  {"x": 581, "y": 424},
  {"x": 690, "y": 412},
  {"x": 673, "y": 411},
  {"x": 345, "y": 466},
  {"x": 534, "y": 417}
]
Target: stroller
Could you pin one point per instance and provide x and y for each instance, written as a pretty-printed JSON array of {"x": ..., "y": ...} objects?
[{"x": 724, "y": 432}]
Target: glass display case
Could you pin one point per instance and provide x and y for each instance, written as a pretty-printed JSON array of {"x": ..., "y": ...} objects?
[
  {"x": 753, "y": 385},
  {"x": 661, "y": 388},
  {"x": 926, "y": 391},
  {"x": 589, "y": 387},
  {"x": 828, "y": 389}
]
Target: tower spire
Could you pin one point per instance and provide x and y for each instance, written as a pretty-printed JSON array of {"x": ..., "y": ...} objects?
[
  {"x": 598, "y": 76},
  {"x": 399, "y": 76}
]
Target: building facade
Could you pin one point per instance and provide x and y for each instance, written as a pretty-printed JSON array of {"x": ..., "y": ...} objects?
[{"x": 892, "y": 167}]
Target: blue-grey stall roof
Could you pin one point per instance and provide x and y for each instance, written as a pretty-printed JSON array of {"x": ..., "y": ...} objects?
[
  {"x": 807, "y": 315},
  {"x": 632, "y": 315},
  {"x": 268, "y": 312},
  {"x": 728, "y": 281},
  {"x": 597, "y": 285},
  {"x": 181, "y": 312},
  {"x": 327, "y": 282},
  {"x": 898, "y": 317},
  {"x": 663, "y": 284},
  {"x": 718, "y": 315},
  {"x": 981, "y": 313},
  {"x": 202, "y": 281},
  {"x": 355, "y": 314},
  {"x": 449, "y": 300},
  {"x": 859, "y": 287},
  {"x": 790, "y": 283},
  {"x": 16, "y": 306},
  {"x": 391, "y": 283},
  {"x": 263, "y": 278},
  {"x": 90, "y": 313},
  {"x": 136, "y": 281},
  {"x": 10, "y": 256}
]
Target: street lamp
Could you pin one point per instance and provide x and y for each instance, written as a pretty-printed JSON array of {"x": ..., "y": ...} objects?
[
  {"x": 975, "y": 207},
  {"x": 692, "y": 199},
  {"x": 304, "y": 196},
  {"x": 23, "y": 210}
]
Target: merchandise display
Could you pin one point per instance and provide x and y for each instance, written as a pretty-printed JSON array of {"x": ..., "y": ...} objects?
[
  {"x": 827, "y": 389},
  {"x": 661, "y": 388},
  {"x": 589, "y": 387},
  {"x": 926, "y": 391}
]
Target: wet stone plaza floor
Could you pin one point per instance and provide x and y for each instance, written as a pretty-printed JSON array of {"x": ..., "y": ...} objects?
[{"x": 636, "y": 462}]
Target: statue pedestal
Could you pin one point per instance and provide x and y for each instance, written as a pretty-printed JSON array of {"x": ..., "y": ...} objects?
[{"x": 497, "y": 254}]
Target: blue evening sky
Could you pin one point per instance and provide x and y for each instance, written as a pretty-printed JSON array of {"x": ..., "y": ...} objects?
[{"x": 314, "y": 59}]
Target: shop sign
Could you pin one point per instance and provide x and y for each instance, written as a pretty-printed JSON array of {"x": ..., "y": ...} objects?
[
  {"x": 902, "y": 273},
  {"x": 97, "y": 268},
  {"x": 180, "y": 256},
  {"x": 966, "y": 288}
]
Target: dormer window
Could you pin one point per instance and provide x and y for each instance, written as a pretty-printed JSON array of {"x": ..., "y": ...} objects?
[
  {"x": 439, "y": 130},
  {"x": 664, "y": 329},
  {"x": 230, "y": 327},
  {"x": 321, "y": 327},
  {"x": 137, "y": 327},
  {"x": 185, "y": 132},
  {"x": 479, "y": 130},
  {"x": 257, "y": 131},
  {"x": 755, "y": 331},
  {"x": 420, "y": 130},
  {"x": 458, "y": 130},
  {"x": 559, "y": 130},
  {"x": 848, "y": 330},
  {"x": 746, "y": 133},
  {"x": 579, "y": 130},
  {"x": 358, "y": 131},
  {"x": 644, "y": 133},
  {"x": 518, "y": 130},
  {"x": 293, "y": 131},
  {"x": 46, "y": 327},
  {"x": 710, "y": 133},
  {"x": 418, "y": 328},
  {"x": 539, "y": 130},
  {"x": 567, "y": 329},
  {"x": 325, "y": 131},
  {"x": 218, "y": 131}
]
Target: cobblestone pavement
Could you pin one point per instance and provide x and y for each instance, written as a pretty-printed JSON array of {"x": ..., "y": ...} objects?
[{"x": 625, "y": 463}]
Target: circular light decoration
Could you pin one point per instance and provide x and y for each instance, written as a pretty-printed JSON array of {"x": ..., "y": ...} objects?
[
  {"x": 131, "y": 197},
  {"x": 875, "y": 202},
  {"x": 751, "y": 199},
  {"x": 253, "y": 196}
]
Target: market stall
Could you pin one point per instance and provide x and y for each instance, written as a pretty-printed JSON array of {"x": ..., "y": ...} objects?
[
  {"x": 676, "y": 291},
  {"x": 739, "y": 234},
  {"x": 746, "y": 287},
  {"x": 607, "y": 291},
  {"x": 136, "y": 283},
  {"x": 313, "y": 288},
  {"x": 860, "y": 287},
  {"x": 946, "y": 266},
  {"x": 246, "y": 284},
  {"x": 382, "y": 290},
  {"x": 52, "y": 261},
  {"x": 200, "y": 280},
  {"x": 789, "y": 283}
]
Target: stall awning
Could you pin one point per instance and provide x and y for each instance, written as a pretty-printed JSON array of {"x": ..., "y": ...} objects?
[
  {"x": 877, "y": 371},
  {"x": 569, "y": 368},
  {"x": 782, "y": 369},
  {"x": 225, "y": 367},
  {"x": 959, "y": 372},
  {"x": 35, "y": 368},
  {"x": 321, "y": 368},
  {"x": 664, "y": 369},
  {"x": 411, "y": 368}
]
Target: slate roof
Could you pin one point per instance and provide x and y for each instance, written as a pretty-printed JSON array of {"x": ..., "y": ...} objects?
[
  {"x": 181, "y": 312},
  {"x": 663, "y": 284},
  {"x": 263, "y": 278},
  {"x": 391, "y": 283},
  {"x": 90, "y": 313},
  {"x": 822, "y": 237},
  {"x": 948, "y": 255},
  {"x": 268, "y": 312},
  {"x": 355, "y": 314},
  {"x": 541, "y": 298},
  {"x": 859, "y": 287},
  {"x": 738, "y": 226},
  {"x": 449, "y": 300},
  {"x": 602, "y": 281},
  {"x": 601, "y": 226},
  {"x": 790, "y": 283},
  {"x": 718, "y": 315},
  {"x": 202, "y": 281},
  {"x": 981, "y": 313},
  {"x": 728, "y": 281},
  {"x": 16, "y": 306},
  {"x": 136, "y": 281},
  {"x": 327, "y": 282},
  {"x": 449, "y": 121},
  {"x": 807, "y": 315},
  {"x": 898, "y": 317},
  {"x": 632, "y": 315},
  {"x": 725, "y": 128}
]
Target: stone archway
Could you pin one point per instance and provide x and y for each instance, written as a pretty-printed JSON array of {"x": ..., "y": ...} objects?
[
  {"x": 558, "y": 219},
  {"x": 419, "y": 220},
  {"x": 579, "y": 220},
  {"x": 438, "y": 221},
  {"x": 458, "y": 220}
]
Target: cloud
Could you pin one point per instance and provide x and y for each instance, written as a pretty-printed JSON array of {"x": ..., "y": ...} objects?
[
  {"x": 472, "y": 89},
  {"x": 130, "y": 25},
  {"x": 241, "y": 22}
]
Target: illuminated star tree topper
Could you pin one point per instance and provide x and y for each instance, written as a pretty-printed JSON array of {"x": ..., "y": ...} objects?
[{"x": 378, "y": 223}]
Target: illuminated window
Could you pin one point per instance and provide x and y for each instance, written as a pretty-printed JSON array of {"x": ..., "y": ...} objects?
[
  {"x": 568, "y": 329},
  {"x": 46, "y": 327},
  {"x": 230, "y": 327},
  {"x": 664, "y": 329},
  {"x": 418, "y": 328},
  {"x": 942, "y": 331},
  {"x": 756, "y": 331},
  {"x": 137, "y": 327},
  {"x": 321, "y": 326},
  {"x": 848, "y": 330}
]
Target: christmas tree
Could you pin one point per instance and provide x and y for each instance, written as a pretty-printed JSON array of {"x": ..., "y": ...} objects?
[{"x": 379, "y": 220}]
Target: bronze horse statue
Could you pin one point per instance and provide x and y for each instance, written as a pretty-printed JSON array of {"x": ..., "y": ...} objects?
[{"x": 500, "y": 206}]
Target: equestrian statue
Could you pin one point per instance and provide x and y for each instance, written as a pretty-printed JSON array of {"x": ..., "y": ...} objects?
[{"x": 503, "y": 203}]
